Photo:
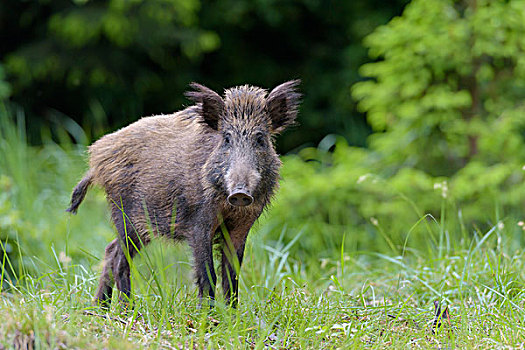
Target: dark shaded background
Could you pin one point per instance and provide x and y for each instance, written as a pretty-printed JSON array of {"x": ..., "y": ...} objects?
[{"x": 104, "y": 64}]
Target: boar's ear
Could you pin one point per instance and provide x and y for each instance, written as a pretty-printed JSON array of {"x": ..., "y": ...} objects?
[
  {"x": 283, "y": 103},
  {"x": 212, "y": 105}
]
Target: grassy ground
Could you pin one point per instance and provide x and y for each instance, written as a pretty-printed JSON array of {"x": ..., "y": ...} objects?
[
  {"x": 355, "y": 302},
  {"x": 330, "y": 297}
]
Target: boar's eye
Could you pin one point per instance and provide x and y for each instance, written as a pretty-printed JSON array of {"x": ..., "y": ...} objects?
[
  {"x": 259, "y": 138},
  {"x": 227, "y": 139}
]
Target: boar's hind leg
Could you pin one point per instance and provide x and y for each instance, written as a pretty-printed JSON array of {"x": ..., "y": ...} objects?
[
  {"x": 121, "y": 273},
  {"x": 128, "y": 245},
  {"x": 105, "y": 285},
  {"x": 116, "y": 269}
]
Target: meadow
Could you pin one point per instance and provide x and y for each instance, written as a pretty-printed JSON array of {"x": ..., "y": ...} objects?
[
  {"x": 313, "y": 278},
  {"x": 400, "y": 219}
]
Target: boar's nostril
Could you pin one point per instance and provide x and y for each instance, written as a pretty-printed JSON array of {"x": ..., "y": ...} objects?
[
  {"x": 247, "y": 200},
  {"x": 240, "y": 199}
]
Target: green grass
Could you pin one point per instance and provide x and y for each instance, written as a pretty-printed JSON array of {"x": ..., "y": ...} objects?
[
  {"x": 365, "y": 302},
  {"x": 331, "y": 295}
]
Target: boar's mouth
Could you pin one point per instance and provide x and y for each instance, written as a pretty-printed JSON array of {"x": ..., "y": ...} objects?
[{"x": 240, "y": 197}]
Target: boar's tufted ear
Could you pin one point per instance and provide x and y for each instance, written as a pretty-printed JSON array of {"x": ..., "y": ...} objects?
[
  {"x": 283, "y": 103},
  {"x": 212, "y": 105}
]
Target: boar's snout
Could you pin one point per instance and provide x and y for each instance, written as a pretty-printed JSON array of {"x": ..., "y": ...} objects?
[{"x": 240, "y": 198}]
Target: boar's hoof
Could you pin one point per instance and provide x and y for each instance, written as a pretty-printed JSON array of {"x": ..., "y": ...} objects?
[{"x": 240, "y": 198}]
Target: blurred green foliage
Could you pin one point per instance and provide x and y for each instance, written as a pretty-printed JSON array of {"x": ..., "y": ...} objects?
[
  {"x": 5, "y": 89},
  {"x": 106, "y": 63},
  {"x": 445, "y": 101},
  {"x": 451, "y": 83},
  {"x": 75, "y": 57},
  {"x": 35, "y": 185}
]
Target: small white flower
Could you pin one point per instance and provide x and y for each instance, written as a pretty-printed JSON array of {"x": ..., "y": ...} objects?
[
  {"x": 521, "y": 223},
  {"x": 444, "y": 188},
  {"x": 444, "y": 193},
  {"x": 63, "y": 258},
  {"x": 374, "y": 221},
  {"x": 501, "y": 225},
  {"x": 523, "y": 168},
  {"x": 362, "y": 178}
]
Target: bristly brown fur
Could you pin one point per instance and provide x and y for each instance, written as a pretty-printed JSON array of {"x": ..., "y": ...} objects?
[{"x": 172, "y": 175}]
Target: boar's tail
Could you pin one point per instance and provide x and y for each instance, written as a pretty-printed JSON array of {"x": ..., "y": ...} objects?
[{"x": 80, "y": 192}]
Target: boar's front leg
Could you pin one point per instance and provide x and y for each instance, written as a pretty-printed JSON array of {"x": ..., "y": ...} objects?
[
  {"x": 232, "y": 255},
  {"x": 200, "y": 241},
  {"x": 231, "y": 265}
]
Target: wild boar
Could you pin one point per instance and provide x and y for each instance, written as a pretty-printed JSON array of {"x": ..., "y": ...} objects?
[{"x": 187, "y": 176}]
